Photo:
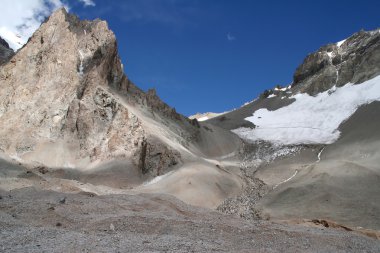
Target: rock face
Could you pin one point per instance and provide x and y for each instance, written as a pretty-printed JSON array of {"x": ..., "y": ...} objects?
[
  {"x": 65, "y": 101},
  {"x": 5, "y": 51},
  {"x": 353, "y": 60}
]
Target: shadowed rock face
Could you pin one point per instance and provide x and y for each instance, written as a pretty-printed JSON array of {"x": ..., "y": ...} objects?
[
  {"x": 65, "y": 101},
  {"x": 356, "y": 60},
  {"x": 5, "y": 51}
]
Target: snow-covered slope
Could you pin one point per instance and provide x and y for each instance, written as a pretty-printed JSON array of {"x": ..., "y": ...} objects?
[
  {"x": 311, "y": 119},
  {"x": 327, "y": 88}
]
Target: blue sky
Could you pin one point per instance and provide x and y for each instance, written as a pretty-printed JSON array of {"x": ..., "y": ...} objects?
[{"x": 214, "y": 55}]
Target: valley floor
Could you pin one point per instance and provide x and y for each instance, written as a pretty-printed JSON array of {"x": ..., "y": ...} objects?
[{"x": 46, "y": 221}]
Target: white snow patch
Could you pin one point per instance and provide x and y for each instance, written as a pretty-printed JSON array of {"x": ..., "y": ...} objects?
[
  {"x": 249, "y": 102},
  {"x": 81, "y": 57},
  {"x": 15, "y": 157},
  {"x": 272, "y": 96},
  {"x": 330, "y": 54},
  {"x": 311, "y": 120},
  {"x": 69, "y": 165},
  {"x": 340, "y": 43},
  {"x": 206, "y": 115},
  {"x": 157, "y": 179},
  {"x": 319, "y": 155},
  {"x": 286, "y": 180},
  {"x": 203, "y": 118}
]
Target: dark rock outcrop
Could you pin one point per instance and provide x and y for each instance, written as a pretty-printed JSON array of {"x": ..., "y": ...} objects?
[{"x": 5, "y": 51}]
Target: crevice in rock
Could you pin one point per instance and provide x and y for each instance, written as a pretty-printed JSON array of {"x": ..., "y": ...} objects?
[{"x": 141, "y": 165}]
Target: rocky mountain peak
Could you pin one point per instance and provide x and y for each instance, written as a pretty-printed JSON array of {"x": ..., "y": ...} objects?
[
  {"x": 68, "y": 102},
  {"x": 353, "y": 60}
]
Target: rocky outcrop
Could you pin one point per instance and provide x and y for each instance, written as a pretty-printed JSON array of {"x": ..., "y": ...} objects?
[
  {"x": 353, "y": 60},
  {"x": 5, "y": 51},
  {"x": 65, "y": 101}
]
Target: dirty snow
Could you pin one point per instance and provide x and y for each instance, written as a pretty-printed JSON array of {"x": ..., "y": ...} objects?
[
  {"x": 319, "y": 155},
  {"x": 311, "y": 120},
  {"x": 81, "y": 57},
  {"x": 286, "y": 180},
  {"x": 158, "y": 178}
]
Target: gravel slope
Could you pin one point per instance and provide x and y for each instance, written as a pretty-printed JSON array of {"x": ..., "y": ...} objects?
[{"x": 32, "y": 220}]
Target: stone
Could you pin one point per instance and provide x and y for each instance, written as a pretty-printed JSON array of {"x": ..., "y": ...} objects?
[{"x": 62, "y": 200}]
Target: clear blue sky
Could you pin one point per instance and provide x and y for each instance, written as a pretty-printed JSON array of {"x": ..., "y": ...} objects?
[{"x": 214, "y": 55}]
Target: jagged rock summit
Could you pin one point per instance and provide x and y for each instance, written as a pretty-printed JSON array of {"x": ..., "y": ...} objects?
[
  {"x": 60, "y": 111},
  {"x": 65, "y": 101},
  {"x": 354, "y": 60}
]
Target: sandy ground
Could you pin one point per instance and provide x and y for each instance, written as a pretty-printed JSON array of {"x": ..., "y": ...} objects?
[
  {"x": 46, "y": 221},
  {"x": 200, "y": 184}
]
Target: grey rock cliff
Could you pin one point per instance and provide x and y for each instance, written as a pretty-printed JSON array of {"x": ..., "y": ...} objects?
[
  {"x": 65, "y": 101},
  {"x": 355, "y": 60}
]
